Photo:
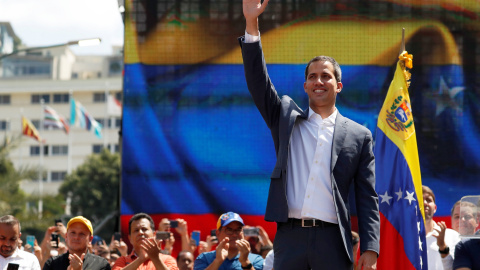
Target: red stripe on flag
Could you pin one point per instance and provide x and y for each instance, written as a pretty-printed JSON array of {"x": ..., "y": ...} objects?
[{"x": 392, "y": 250}]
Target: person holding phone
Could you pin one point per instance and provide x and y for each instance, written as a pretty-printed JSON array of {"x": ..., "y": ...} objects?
[
  {"x": 146, "y": 253},
  {"x": 11, "y": 257},
  {"x": 233, "y": 251},
  {"x": 78, "y": 235}
]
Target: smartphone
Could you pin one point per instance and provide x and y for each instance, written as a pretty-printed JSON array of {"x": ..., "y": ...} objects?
[
  {"x": 173, "y": 223},
  {"x": 13, "y": 266},
  {"x": 196, "y": 237},
  {"x": 117, "y": 236},
  {"x": 213, "y": 234},
  {"x": 251, "y": 231},
  {"x": 57, "y": 221},
  {"x": 54, "y": 240},
  {"x": 162, "y": 235},
  {"x": 31, "y": 240}
]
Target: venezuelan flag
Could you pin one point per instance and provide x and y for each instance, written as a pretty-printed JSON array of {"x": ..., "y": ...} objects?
[{"x": 398, "y": 180}]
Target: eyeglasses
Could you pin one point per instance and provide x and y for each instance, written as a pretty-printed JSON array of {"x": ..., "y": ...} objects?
[{"x": 230, "y": 231}]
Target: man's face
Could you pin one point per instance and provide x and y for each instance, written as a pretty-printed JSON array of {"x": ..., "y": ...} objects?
[
  {"x": 9, "y": 235},
  {"x": 140, "y": 230},
  {"x": 456, "y": 218},
  {"x": 234, "y": 231},
  {"x": 185, "y": 261},
  {"x": 77, "y": 237},
  {"x": 430, "y": 206},
  {"x": 164, "y": 225},
  {"x": 321, "y": 86},
  {"x": 468, "y": 222}
]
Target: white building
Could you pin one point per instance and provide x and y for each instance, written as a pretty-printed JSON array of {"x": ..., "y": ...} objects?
[
  {"x": 22, "y": 97},
  {"x": 51, "y": 73}
]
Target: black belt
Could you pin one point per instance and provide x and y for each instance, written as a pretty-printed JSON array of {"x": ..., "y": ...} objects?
[{"x": 310, "y": 223}]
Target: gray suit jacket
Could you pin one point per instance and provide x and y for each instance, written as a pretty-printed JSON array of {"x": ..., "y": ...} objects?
[{"x": 352, "y": 158}]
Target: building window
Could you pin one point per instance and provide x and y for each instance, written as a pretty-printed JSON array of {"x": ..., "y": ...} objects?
[
  {"x": 36, "y": 124},
  {"x": 118, "y": 122},
  {"x": 61, "y": 98},
  {"x": 119, "y": 96},
  {"x": 59, "y": 150},
  {"x": 97, "y": 148},
  {"x": 35, "y": 150},
  {"x": 4, "y": 99},
  {"x": 99, "y": 97},
  {"x": 3, "y": 125},
  {"x": 58, "y": 175},
  {"x": 101, "y": 121},
  {"x": 116, "y": 148},
  {"x": 37, "y": 97}
]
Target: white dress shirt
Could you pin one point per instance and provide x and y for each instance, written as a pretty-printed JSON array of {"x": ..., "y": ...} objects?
[
  {"x": 309, "y": 186},
  {"x": 25, "y": 260},
  {"x": 308, "y": 165},
  {"x": 435, "y": 260}
]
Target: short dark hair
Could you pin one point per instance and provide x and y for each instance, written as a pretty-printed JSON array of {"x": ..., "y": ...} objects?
[
  {"x": 138, "y": 217},
  {"x": 337, "y": 71},
  {"x": 10, "y": 220},
  {"x": 183, "y": 252}
]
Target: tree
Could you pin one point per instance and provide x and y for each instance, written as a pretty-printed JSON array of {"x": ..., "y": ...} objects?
[
  {"x": 93, "y": 188},
  {"x": 12, "y": 198}
]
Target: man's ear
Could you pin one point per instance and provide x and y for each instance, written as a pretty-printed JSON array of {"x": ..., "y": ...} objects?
[
  {"x": 339, "y": 87},
  {"x": 91, "y": 238},
  {"x": 305, "y": 87}
]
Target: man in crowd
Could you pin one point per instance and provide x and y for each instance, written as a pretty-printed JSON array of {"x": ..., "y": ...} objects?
[
  {"x": 441, "y": 241},
  {"x": 185, "y": 260},
  {"x": 233, "y": 251},
  {"x": 320, "y": 154},
  {"x": 9, "y": 252},
  {"x": 78, "y": 235},
  {"x": 146, "y": 253},
  {"x": 467, "y": 255}
]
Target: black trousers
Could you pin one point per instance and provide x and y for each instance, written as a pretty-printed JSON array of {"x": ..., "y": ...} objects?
[{"x": 316, "y": 248}]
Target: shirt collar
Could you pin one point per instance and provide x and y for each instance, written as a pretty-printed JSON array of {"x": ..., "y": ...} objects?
[
  {"x": 14, "y": 255},
  {"x": 312, "y": 115}
]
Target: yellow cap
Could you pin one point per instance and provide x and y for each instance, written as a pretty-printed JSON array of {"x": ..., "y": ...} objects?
[{"x": 82, "y": 220}]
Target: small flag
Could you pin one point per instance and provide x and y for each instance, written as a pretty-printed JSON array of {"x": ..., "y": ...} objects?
[
  {"x": 52, "y": 118},
  {"x": 114, "y": 107},
  {"x": 80, "y": 117},
  {"x": 28, "y": 129},
  {"x": 398, "y": 182}
]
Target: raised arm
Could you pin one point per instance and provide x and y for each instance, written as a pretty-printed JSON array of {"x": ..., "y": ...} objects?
[{"x": 251, "y": 10}]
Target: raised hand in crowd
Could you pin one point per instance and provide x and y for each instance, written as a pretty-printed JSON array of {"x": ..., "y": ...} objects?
[
  {"x": 118, "y": 245},
  {"x": 182, "y": 229}
]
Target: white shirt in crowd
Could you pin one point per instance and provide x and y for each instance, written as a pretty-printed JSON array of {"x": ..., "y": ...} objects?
[
  {"x": 25, "y": 260},
  {"x": 435, "y": 260}
]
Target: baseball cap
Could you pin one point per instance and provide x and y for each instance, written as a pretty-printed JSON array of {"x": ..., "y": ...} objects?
[
  {"x": 84, "y": 221},
  {"x": 227, "y": 218}
]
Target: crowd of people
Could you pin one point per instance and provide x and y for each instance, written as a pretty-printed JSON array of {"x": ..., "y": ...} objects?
[{"x": 75, "y": 247}]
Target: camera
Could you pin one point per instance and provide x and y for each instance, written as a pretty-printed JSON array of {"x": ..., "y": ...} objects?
[
  {"x": 54, "y": 240},
  {"x": 162, "y": 235},
  {"x": 251, "y": 231},
  {"x": 173, "y": 223}
]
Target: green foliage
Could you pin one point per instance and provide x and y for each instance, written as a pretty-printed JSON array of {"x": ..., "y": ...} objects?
[{"x": 94, "y": 187}]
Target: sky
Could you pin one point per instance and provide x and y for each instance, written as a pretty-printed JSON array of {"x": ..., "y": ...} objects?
[{"x": 49, "y": 22}]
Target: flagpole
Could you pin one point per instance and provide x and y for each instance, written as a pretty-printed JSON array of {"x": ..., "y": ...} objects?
[
  {"x": 70, "y": 136},
  {"x": 105, "y": 124},
  {"x": 40, "y": 170},
  {"x": 402, "y": 47}
]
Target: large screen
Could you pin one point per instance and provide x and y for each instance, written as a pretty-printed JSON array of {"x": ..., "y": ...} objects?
[{"x": 194, "y": 144}]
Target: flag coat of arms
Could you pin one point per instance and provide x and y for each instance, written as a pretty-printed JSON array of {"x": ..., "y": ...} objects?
[{"x": 398, "y": 180}]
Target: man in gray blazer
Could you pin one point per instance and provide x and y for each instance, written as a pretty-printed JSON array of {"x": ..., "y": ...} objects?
[{"x": 320, "y": 154}]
